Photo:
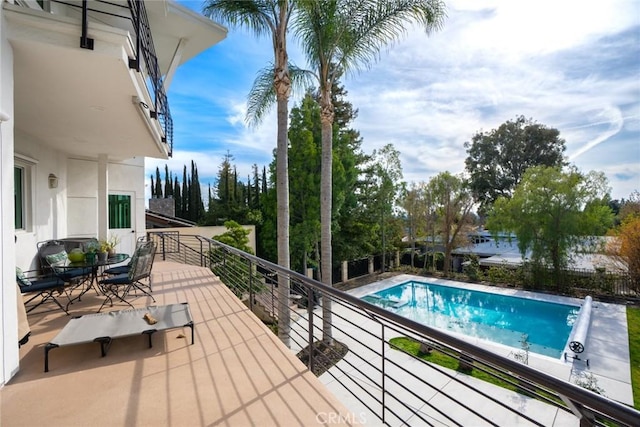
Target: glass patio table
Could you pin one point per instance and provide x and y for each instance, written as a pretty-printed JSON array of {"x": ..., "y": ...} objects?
[{"x": 92, "y": 267}]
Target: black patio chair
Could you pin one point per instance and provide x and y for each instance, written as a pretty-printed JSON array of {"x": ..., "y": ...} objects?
[
  {"x": 124, "y": 269},
  {"x": 119, "y": 287},
  {"x": 43, "y": 287},
  {"x": 54, "y": 261}
]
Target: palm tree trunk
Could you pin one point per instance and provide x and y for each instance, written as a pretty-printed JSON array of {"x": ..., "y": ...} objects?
[
  {"x": 282, "y": 190},
  {"x": 282, "y": 84},
  {"x": 326, "y": 207}
]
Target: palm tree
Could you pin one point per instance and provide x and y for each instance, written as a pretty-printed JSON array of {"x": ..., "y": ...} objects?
[
  {"x": 270, "y": 18},
  {"x": 340, "y": 36}
]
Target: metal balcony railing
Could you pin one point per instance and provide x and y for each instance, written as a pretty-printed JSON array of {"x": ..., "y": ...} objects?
[
  {"x": 134, "y": 13},
  {"x": 145, "y": 49},
  {"x": 372, "y": 372}
]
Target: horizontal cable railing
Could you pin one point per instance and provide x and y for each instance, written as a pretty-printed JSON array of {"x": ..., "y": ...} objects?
[{"x": 373, "y": 372}]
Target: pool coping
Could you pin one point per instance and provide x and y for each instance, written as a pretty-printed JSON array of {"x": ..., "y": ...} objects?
[{"x": 608, "y": 329}]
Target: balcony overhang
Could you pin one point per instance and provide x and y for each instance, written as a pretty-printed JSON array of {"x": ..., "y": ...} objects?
[
  {"x": 173, "y": 24},
  {"x": 79, "y": 101},
  {"x": 90, "y": 102}
]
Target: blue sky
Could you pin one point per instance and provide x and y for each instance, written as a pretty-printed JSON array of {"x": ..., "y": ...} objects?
[{"x": 573, "y": 65}]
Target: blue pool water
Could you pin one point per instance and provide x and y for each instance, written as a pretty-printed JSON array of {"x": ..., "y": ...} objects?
[{"x": 494, "y": 317}]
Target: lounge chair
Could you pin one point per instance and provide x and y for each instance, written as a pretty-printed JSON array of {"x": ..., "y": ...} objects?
[{"x": 103, "y": 328}]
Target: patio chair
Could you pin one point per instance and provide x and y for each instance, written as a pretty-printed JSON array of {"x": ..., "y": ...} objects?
[
  {"x": 124, "y": 269},
  {"x": 119, "y": 287},
  {"x": 43, "y": 287},
  {"x": 53, "y": 259}
]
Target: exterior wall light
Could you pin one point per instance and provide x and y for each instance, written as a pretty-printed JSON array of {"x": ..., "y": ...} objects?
[{"x": 53, "y": 181}]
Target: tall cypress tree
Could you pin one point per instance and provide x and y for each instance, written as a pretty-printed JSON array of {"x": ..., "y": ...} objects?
[
  {"x": 185, "y": 194},
  {"x": 224, "y": 187},
  {"x": 177, "y": 197},
  {"x": 236, "y": 198},
  {"x": 255, "y": 203},
  {"x": 170, "y": 187},
  {"x": 158, "y": 184},
  {"x": 191, "y": 208},
  {"x": 248, "y": 200},
  {"x": 167, "y": 181},
  {"x": 197, "y": 194},
  {"x": 264, "y": 180},
  {"x": 153, "y": 188}
]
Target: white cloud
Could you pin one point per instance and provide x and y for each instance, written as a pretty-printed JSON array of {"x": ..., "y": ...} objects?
[
  {"x": 492, "y": 62},
  {"x": 521, "y": 28},
  {"x": 613, "y": 118}
]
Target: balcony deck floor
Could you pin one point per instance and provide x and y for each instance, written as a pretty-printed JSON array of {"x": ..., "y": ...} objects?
[{"x": 236, "y": 373}]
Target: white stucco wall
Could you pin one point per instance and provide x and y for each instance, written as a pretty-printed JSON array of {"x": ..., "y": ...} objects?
[
  {"x": 9, "y": 355},
  {"x": 125, "y": 177},
  {"x": 82, "y": 198},
  {"x": 49, "y": 204}
]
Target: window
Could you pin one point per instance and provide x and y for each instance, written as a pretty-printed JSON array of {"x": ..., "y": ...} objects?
[
  {"x": 18, "y": 197},
  {"x": 119, "y": 211},
  {"x": 23, "y": 171}
]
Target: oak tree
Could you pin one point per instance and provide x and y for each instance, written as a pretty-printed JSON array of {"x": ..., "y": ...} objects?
[{"x": 497, "y": 159}]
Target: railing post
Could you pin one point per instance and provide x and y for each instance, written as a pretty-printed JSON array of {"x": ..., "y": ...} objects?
[
  {"x": 202, "y": 263},
  {"x": 273, "y": 300},
  {"x": 382, "y": 383},
  {"x": 164, "y": 251},
  {"x": 250, "y": 285},
  {"x": 85, "y": 41},
  {"x": 584, "y": 415},
  {"x": 224, "y": 261},
  {"x": 310, "y": 314},
  {"x": 136, "y": 20}
]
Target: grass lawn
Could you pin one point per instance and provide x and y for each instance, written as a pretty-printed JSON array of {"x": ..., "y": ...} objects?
[
  {"x": 633, "y": 323},
  {"x": 411, "y": 346}
]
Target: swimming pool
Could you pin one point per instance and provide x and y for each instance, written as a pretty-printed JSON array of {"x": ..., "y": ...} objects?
[{"x": 494, "y": 317}]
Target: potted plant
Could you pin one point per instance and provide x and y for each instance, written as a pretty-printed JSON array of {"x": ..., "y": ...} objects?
[
  {"x": 113, "y": 242},
  {"x": 103, "y": 249},
  {"x": 90, "y": 251}
]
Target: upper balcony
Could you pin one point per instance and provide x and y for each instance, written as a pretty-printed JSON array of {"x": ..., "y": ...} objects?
[{"x": 91, "y": 76}]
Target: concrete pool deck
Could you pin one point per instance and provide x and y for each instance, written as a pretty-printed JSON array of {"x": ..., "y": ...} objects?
[
  {"x": 607, "y": 345},
  {"x": 607, "y": 349}
]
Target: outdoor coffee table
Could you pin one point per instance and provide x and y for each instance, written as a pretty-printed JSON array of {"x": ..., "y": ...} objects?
[{"x": 104, "y": 327}]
